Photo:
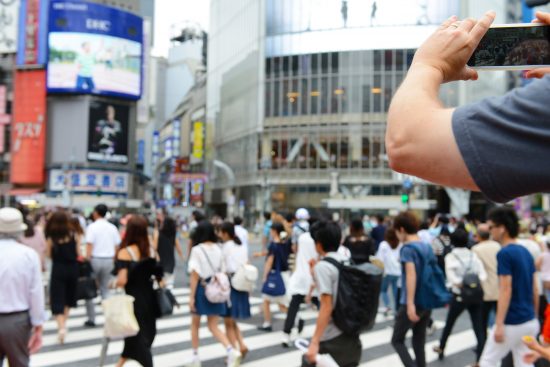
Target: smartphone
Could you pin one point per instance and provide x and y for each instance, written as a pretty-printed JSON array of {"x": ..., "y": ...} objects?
[{"x": 513, "y": 47}]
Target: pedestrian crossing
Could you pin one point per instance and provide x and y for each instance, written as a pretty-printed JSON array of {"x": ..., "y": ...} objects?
[{"x": 172, "y": 346}]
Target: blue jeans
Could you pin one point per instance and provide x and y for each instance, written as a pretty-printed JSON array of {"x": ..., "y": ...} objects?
[
  {"x": 387, "y": 281},
  {"x": 85, "y": 83}
]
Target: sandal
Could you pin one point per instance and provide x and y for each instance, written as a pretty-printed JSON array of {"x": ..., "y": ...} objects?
[{"x": 61, "y": 336}]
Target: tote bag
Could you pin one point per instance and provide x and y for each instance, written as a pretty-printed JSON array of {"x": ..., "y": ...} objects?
[
  {"x": 120, "y": 320},
  {"x": 274, "y": 284}
]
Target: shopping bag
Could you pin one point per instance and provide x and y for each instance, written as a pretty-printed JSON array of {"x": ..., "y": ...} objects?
[
  {"x": 120, "y": 320},
  {"x": 322, "y": 360}
]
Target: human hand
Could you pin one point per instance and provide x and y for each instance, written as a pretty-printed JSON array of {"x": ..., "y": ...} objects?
[
  {"x": 192, "y": 305},
  {"x": 542, "y": 18},
  {"x": 411, "y": 313},
  {"x": 35, "y": 342},
  {"x": 313, "y": 350},
  {"x": 499, "y": 333},
  {"x": 450, "y": 47}
]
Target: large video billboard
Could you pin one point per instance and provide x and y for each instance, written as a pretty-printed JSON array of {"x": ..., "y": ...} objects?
[
  {"x": 94, "y": 49},
  {"x": 108, "y": 132}
]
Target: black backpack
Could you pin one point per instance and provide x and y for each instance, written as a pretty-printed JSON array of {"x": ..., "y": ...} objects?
[
  {"x": 357, "y": 299},
  {"x": 471, "y": 291}
]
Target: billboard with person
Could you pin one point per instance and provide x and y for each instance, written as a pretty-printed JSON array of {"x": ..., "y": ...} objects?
[
  {"x": 94, "y": 49},
  {"x": 108, "y": 132}
]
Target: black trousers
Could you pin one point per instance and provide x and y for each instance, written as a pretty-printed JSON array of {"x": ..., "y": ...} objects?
[
  {"x": 400, "y": 328},
  {"x": 345, "y": 349},
  {"x": 475, "y": 310},
  {"x": 293, "y": 309}
]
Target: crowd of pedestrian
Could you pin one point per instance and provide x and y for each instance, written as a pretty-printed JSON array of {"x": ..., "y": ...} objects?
[{"x": 497, "y": 271}]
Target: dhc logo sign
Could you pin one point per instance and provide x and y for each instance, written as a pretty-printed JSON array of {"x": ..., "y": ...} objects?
[{"x": 98, "y": 24}]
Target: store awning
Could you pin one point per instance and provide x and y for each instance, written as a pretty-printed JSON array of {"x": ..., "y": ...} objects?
[{"x": 24, "y": 191}]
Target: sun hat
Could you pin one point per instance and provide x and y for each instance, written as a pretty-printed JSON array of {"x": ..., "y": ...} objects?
[{"x": 11, "y": 220}]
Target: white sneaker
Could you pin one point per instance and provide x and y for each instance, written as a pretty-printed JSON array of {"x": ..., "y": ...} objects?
[
  {"x": 287, "y": 341},
  {"x": 234, "y": 358},
  {"x": 195, "y": 362}
]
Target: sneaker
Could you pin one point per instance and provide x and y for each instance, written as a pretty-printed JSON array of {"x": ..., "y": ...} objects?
[
  {"x": 265, "y": 328},
  {"x": 286, "y": 342},
  {"x": 89, "y": 323},
  {"x": 301, "y": 324},
  {"x": 195, "y": 362},
  {"x": 233, "y": 358}
]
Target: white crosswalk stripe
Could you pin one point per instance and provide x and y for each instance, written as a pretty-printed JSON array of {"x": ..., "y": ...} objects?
[{"x": 172, "y": 344}]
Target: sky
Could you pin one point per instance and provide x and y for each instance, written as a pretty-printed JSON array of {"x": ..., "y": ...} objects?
[{"x": 169, "y": 12}]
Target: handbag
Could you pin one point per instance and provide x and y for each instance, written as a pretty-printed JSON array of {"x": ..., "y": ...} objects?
[
  {"x": 86, "y": 288},
  {"x": 120, "y": 320},
  {"x": 244, "y": 279},
  {"x": 274, "y": 285},
  {"x": 165, "y": 301},
  {"x": 218, "y": 289}
]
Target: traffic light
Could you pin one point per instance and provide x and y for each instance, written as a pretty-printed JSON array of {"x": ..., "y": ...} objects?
[{"x": 405, "y": 198}]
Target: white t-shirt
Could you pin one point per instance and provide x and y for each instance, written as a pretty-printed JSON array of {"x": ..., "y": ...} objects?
[
  {"x": 198, "y": 261},
  {"x": 390, "y": 258},
  {"x": 242, "y": 233},
  {"x": 234, "y": 256},
  {"x": 301, "y": 280},
  {"x": 104, "y": 238}
]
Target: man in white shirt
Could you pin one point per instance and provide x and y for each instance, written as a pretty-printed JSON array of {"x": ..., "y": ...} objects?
[
  {"x": 241, "y": 232},
  {"x": 21, "y": 293},
  {"x": 102, "y": 239}
]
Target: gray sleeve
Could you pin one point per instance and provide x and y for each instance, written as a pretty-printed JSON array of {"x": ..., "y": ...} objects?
[
  {"x": 324, "y": 275},
  {"x": 505, "y": 141}
]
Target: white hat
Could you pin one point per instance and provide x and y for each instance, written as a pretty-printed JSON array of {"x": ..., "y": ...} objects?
[
  {"x": 302, "y": 213},
  {"x": 11, "y": 221}
]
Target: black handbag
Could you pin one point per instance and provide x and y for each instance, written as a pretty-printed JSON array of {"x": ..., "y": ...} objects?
[
  {"x": 86, "y": 288},
  {"x": 165, "y": 302}
]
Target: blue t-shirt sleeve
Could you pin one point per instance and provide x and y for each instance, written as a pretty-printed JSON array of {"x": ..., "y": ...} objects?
[
  {"x": 504, "y": 141},
  {"x": 408, "y": 255},
  {"x": 504, "y": 262}
]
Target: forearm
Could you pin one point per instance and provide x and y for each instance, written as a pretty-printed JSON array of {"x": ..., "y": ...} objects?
[
  {"x": 503, "y": 303},
  {"x": 411, "y": 285},
  {"x": 267, "y": 266},
  {"x": 535, "y": 295},
  {"x": 323, "y": 319},
  {"x": 88, "y": 251},
  {"x": 194, "y": 281}
]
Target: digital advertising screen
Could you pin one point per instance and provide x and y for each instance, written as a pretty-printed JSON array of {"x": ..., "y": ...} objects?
[
  {"x": 94, "y": 49},
  {"x": 108, "y": 132}
]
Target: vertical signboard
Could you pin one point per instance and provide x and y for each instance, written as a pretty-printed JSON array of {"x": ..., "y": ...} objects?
[
  {"x": 198, "y": 142},
  {"x": 28, "y": 134},
  {"x": 9, "y": 11},
  {"x": 4, "y": 118},
  {"x": 31, "y": 40}
]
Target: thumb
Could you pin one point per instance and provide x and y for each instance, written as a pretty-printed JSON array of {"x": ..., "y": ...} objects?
[{"x": 543, "y": 17}]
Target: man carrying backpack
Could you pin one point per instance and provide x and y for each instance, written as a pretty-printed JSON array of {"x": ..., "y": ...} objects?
[
  {"x": 465, "y": 272},
  {"x": 344, "y": 348},
  {"x": 423, "y": 288},
  {"x": 518, "y": 294}
]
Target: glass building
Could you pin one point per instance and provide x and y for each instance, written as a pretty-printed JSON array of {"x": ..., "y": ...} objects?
[{"x": 298, "y": 94}]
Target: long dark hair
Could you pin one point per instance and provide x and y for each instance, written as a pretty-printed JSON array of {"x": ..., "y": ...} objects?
[
  {"x": 136, "y": 234},
  {"x": 75, "y": 226},
  {"x": 204, "y": 232},
  {"x": 29, "y": 232},
  {"x": 58, "y": 226},
  {"x": 229, "y": 229},
  {"x": 356, "y": 228},
  {"x": 168, "y": 228}
]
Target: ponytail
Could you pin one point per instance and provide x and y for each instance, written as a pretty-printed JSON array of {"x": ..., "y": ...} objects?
[
  {"x": 229, "y": 228},
  {"x": 237, "y": 240}
]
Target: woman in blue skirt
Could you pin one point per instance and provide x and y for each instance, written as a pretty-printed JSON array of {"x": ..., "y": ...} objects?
[
  {"x": 234, "y": 256},
  {"x": 205, "y": 260}
]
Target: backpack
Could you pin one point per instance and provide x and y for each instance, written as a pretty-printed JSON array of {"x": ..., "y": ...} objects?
[
  {"x": 471, "y": 291},
  {"x": 431, "y": 291},
  {"x": 357, "y": 299},
  {"x": 218, "y": 289}
]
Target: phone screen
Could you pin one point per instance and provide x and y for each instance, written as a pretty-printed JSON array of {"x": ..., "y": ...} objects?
[{"x": 513, "y": 46}]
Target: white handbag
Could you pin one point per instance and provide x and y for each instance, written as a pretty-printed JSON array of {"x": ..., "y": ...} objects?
[
  {"x": 245, "y": 278},
  {"x": 120, "y": 320}
]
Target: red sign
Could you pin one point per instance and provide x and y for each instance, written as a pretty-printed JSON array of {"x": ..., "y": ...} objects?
[
  {"x": 31, "y": 32},
  {"x": 28, "y": 136}
]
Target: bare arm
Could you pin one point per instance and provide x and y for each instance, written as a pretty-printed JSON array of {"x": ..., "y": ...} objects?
[
  {"x": 419, "y": 136},
  {"x": 88, "y": 250},
  {"x": 504, "y": 296},
  {"x": 179, "y": 250},
  {"x": 194, "y": 281},
  {"x": 536, "y": 298},
  {"x": 267, "y": 266},
  {"x": 323, "y": 319},
  {"x": 410, "y": 281}
]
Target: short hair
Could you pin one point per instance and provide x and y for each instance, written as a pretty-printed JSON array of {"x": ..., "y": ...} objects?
[
  {"x": 267, "y": 215},
  {"x": 278, "y": 227},
  {"x": 327, "y": 234},
  {"x": 460, "y": 238},
  {"x": 204, "y": 232},
  {"x": 406, "y": 220},
  {"x": 238, "y": 221},
  {"x": 197, "y": 215},
  {"x": 507, "y": 217},
  {"x": 356, "y": 227},
  {"x": 101, "y": 210}
]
